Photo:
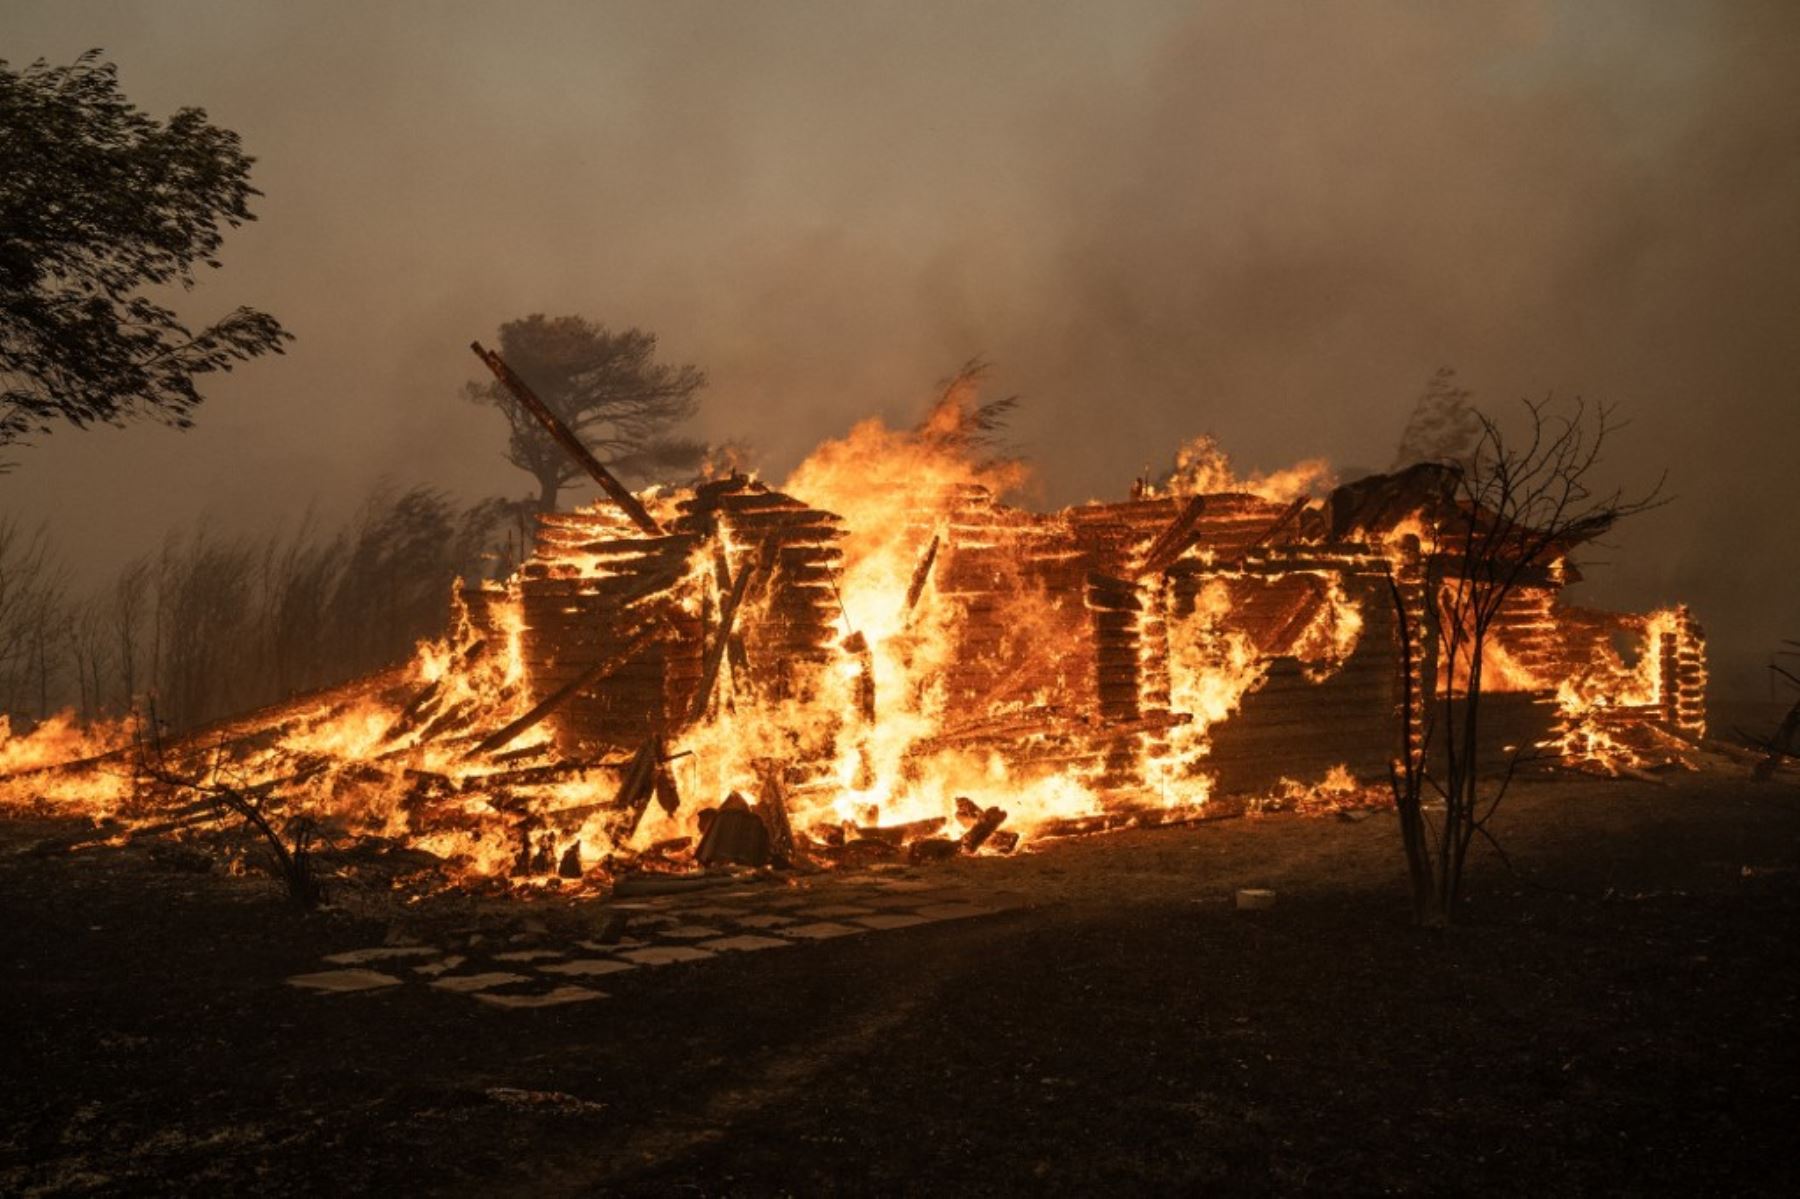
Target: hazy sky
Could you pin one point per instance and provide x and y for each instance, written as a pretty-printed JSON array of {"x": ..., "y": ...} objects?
[{"x": 1262, "y": 220}]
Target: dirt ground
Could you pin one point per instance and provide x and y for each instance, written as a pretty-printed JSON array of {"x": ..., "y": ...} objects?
[{"x": 1615, "y": 1015}]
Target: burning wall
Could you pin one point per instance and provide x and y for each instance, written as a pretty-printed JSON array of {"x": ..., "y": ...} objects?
[{"x": 886, "y": 652}]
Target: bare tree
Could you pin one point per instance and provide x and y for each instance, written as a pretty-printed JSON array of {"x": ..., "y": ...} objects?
[
  {"x": 32, "y": 587},
  {"x": 1507, "y": 514},
  {"x": 130, "y": 601},
  {"x": 89, "y": 648},
  {"x": 1784, "y": 742}
]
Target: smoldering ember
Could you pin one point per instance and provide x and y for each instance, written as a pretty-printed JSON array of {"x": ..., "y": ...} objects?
[{"x": 824, "y": 781}]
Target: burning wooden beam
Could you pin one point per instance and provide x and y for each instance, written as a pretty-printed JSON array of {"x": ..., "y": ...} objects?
[
  {"x": 920, "y": 576},
  {"x": 561, "y": 695},
  {"x": 721, "y": 642},
  {"x": 565, "y": 437},
  {"x": 1173, "y": 540}
]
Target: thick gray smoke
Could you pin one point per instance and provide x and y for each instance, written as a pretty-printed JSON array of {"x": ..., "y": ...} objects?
[{"x": 1267, "y": 221}]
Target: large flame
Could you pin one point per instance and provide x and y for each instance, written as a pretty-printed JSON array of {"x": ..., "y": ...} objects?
[{"x": 448, "y": 754}]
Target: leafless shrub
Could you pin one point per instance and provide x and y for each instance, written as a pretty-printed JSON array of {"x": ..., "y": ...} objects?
[
  {"x": 1509, "y": 509},
  {"x": 33, "y": 586},
  {"x": 1784, "y": 743},
  {"x": 290, "y": 849},
  {"x": 211, "y": 625}
]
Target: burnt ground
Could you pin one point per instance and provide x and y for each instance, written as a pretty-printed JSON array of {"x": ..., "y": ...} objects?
[{"x": 1616, "y": 1016}]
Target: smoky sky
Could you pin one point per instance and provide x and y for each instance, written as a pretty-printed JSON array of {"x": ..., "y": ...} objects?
[{"x": 1266, "y": 221}]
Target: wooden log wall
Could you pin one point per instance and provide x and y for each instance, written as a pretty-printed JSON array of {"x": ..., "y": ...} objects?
[
  {"x": 792, "y": 623},
  {"x": 480, "y": 604},
  {"x": 1509, "y": 720},
  {"x": 1016, "y": 584},
  {"x": 1682, "y": 661},
  {"x": 592, "y": 584},
  {"x": 1306, "y": 717},
  {"x": 1526, "y": 628},
  {"x": 1132, "y": 614}
]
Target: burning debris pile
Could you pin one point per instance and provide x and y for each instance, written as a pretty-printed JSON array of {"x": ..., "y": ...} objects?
[{"x": 883, "y": 660}]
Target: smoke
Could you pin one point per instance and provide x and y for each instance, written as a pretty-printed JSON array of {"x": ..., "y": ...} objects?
[{"x": 1270, "y": 222}]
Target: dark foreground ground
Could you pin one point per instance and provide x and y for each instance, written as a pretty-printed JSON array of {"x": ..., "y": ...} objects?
[{"x": 1619, "y": 1016}]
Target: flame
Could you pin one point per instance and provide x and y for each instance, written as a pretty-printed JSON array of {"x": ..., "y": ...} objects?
[
  {"x": 1202, "y": 467},
  {"x": 881, "y": 731},
  {"x": 1590, "y": 702}
]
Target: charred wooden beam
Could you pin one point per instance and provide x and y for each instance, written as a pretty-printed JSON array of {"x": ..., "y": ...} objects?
[
  {"x": 1280, "y": 522},
  {"x": 858, "y": 645},
  {"x": 565, "y": 437},
  {"x": 667, "y": 794},
  {"x": 636, "y": 789},
  {"x": 537, "y": 776},
  {"x": 932, "y": 849},
  {"x": 1173, "y": 540},
  {"x": 982, "y": 829},
  {"x": 736, "y": 835},
  {"x": 721, "y": 642},
  {"x": 415, "y": 712},
  {"x": 562, "y": 695},
  {"x": 901, "y": 834},
  {"x": 772, "y": 809},
  {"x": 920, "y": 576}
]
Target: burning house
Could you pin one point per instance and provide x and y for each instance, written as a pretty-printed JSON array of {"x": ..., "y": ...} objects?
[{"x": 883, "y": 657}]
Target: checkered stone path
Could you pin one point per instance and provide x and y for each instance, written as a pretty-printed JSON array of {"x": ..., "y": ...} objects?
[{"x": 664, "y": 933}]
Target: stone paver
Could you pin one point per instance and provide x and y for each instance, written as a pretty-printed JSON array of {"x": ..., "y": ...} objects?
[
  {"x": 884, "y": 901},
  {"x": 663, "y": 955},
  {"x": 381, "y": 953},
  {"x": 621, "y": 943},
  {"x": 666, "y": 930},
  {"x": 761, "y": 920},
  {"x": 556, "y": 998},
  {"x": 887, "y": 920},
  {"x": 476, "y": 982},
  {"x": 586, "y": 967},
  {"x": 344, "y": 981},
  {"x": 954, "y": 911},
  {"x": 688, "y": 932},
  {"x": 745, "y": 941},
  {"x": 819, "y": 931},
  {"x": 442, "y": 965}
]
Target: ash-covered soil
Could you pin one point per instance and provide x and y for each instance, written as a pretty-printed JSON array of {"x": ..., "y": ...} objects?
[{"x": 1616, "y": 1015}]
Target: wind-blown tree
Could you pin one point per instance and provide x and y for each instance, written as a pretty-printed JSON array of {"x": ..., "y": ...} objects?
[
  {"x": 1443, "y": 425},
  {"x": 607, "y": 387},
  {"x": 102, "y": 207},
  {"x": 960, "y": 419}
]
